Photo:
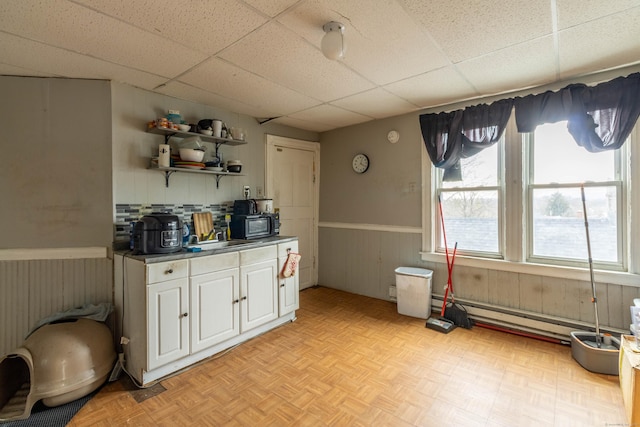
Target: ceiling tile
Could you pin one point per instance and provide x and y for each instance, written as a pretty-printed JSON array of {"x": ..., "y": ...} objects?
[
  {"x": 590, "y": 47},
  {"x": 384, "y": 43},
  {"x": 466, "y": 29},
  {"x": 205, "y": 26},
  {"x": 60, "y": 62},
  {"x": 271, "y": 7},
  {"x": 497, "y": 72},
  {"x": 575, "y": 12},
  {"x": 294, "y": 64},
  {"x": 184, "y": 91},
  {"x": 434, "y": 88},
  {"x": 310, "y": 125},
  {"x": 376, "y": 103},
  {"x": 225, "y": 79},
  {"x": 70, "y": 26},
  {"x": 330, "y": 115}
]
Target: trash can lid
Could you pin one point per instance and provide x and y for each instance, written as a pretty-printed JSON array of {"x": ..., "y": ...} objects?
[{"x": 414, "y": 271}]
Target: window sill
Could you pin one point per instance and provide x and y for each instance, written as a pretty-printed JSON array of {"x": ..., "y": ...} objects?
[{"x": 601, "y": 276}]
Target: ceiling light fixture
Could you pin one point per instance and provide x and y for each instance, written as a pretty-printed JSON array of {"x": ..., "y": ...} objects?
[{"x": 333, "y": 45}]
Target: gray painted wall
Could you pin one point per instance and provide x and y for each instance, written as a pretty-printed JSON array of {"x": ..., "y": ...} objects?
[
  {"x": 383, "y": 195},
  {"x": 55, "y": 180}
]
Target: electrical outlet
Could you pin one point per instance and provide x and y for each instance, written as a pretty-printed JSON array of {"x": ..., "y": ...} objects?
[
  {"x": 247, "y": 191},
  {"x": 259, "y": 192}
]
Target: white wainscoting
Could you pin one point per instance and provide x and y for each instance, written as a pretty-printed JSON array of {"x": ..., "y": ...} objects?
[
  {"x": 31, "y": 289},
  {"x": 362, "y": 260}
]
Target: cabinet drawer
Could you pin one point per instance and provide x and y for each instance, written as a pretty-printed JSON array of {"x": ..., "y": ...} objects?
[
  {"x": 210, "y": 264},
  {"x": 252, "y": 256},
  {"x": 164, "y": 271},
  {"x": 284, "y": 248}
]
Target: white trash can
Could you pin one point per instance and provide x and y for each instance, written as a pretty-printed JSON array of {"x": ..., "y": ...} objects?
[{"x": 413, "y": 289}]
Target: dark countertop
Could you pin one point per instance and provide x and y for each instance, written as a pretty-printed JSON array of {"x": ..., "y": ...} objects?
[{"x": 184, "y": 254}]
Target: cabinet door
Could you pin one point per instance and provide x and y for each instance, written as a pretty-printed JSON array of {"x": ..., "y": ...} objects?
[
  {"x": 258, "y": 294},
  {"x": 214, "y": 308},
  {"x": 167, "y": 322},
  {"x": 289, "y": 289}
]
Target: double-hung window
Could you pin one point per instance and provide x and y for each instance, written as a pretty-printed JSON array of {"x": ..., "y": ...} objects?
[
  {"x": 554, "y": 168},
  {"x": 472, "y": 204},
  {"x": 556, "y": 231},
  {"x": 509, "y": 178}
]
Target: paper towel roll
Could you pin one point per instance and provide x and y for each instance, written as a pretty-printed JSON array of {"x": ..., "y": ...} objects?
[{"x": 163, "y": 156}]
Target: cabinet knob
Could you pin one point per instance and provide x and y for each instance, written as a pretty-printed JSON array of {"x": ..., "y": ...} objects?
[
  {"x": 243, "y": 298},
  {"x": 236, "y": 301},
  {"x": 282, "y": 285},
  {"x": 169, "y": 271},
  {"x": 185, "y": 314}
]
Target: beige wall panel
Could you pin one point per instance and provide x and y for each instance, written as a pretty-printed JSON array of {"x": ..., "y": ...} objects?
[
  {"x": 554, "y": 301},
  {"x": 530, "y": 292},
  {"x": 614, "y": 309},
  {"x": 504, "y": 289},
  {"x": 471, "y": 283}
]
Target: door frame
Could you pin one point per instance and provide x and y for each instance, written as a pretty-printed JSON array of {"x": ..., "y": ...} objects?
[{"x": 274, "y": 141}]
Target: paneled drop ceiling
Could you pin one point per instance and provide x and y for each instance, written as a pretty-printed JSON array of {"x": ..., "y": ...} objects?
[{"x": 262, "y": 57}]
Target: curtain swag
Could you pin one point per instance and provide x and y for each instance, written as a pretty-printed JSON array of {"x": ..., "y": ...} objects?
[{"x": 599, "y": 118}]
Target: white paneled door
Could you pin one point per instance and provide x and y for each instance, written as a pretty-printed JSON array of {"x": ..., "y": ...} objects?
[{"x": 292, "y": 183}]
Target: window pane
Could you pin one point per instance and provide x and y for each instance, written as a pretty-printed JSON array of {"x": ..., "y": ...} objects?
[
  {"x": 558, "y": 223},
  {"x": 559, "y": 159},
  {"x": 471, "y": 219},
  {"x": 480, "y": 170}
]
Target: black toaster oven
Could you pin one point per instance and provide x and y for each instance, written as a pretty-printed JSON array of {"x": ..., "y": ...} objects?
[{"x": 255, "y": 226}]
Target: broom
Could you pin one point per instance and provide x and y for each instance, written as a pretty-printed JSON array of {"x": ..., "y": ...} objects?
[{"x": 453, "y": 312}]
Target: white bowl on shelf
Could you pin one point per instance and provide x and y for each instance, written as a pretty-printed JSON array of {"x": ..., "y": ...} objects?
[
  {"x": 206, "y": 132},
  {"x": 184, "y": 128},
  {"x": 191, "y": 155}
]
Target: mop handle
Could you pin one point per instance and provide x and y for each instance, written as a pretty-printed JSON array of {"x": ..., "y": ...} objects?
[{"x": 593, "y": 285}]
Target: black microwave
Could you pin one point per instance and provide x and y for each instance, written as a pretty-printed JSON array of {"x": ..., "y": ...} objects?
[{"x": 255, "y": 226}]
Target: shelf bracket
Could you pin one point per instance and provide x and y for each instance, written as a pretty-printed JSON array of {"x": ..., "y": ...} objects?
[
  {"x": 167, "y": 174},
  {"x": 218, "y": 180}
]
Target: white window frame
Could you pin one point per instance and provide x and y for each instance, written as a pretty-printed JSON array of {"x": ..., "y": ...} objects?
[
  {"x": 621, "y": 220},
  {"x": 498, "y": 187},
  {"x": 514, "y": 222}
]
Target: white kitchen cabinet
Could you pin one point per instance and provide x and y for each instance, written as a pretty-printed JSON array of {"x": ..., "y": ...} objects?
[
  {"x": 258, "y": 287},
  {"x": 179, "y": 312},
  {"x": 215, "y": 300},
  {"x": 167, "y": 322},
  {"x": 289, "y": 287}
]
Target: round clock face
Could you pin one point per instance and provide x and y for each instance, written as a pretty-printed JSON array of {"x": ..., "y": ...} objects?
[{"x": 360, "y": 163}]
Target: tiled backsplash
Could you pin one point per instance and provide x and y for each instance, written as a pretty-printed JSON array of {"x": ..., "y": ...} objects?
[{"x": 128, "y": 213}]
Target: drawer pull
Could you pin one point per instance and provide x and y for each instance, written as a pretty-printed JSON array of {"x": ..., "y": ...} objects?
[{"x": 169, "y": 271}]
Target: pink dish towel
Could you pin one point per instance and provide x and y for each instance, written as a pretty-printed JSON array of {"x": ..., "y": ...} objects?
[{"x": 290, "y": 265}]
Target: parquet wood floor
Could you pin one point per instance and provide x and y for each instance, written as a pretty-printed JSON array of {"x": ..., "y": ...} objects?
[{"x": 350, "y": 360}]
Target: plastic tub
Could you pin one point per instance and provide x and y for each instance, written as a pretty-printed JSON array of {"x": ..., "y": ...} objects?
[{"x": 413, "y": 290}]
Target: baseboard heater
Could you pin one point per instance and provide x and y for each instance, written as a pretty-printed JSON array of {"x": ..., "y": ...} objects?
[{"x": 556, "y": 328}]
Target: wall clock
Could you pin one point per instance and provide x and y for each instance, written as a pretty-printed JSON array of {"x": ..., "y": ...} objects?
[{"x": 360, "y": 163}]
